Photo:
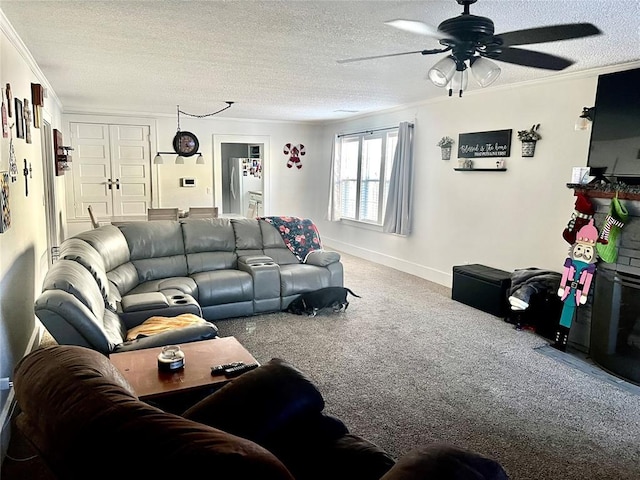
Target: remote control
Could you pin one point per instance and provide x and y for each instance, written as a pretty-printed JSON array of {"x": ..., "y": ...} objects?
[
  {"x": 221, "y": 368},
  {"x": 240, "y": 369}
]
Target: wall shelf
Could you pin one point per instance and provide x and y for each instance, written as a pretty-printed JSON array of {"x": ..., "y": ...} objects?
[{"x": 480, "y": 169}]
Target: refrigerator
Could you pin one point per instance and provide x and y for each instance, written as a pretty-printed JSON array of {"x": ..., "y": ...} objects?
[{"x": 245, "y": 185}]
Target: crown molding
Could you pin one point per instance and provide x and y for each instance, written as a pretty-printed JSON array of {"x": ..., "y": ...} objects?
[{"x": 15, "y": 40}]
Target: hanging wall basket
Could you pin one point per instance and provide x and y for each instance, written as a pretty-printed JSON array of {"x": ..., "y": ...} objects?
[
  {"x": 528, "y": 149},
  {"x": 446, "y": 153}
]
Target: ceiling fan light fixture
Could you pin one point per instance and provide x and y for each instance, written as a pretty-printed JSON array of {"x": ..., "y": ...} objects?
[
  {"x": 442, "y": 72},
  {"x": 484, "y": 71},
  {"x": 459, "y": 82}
]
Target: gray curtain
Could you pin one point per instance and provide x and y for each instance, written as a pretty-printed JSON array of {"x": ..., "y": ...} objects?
[
  {"x": 333, "y": 211},
  {"x": 398, "y": 214}
]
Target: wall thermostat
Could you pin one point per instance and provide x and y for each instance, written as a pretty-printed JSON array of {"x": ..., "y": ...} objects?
[{"x": 187, "y": 182}]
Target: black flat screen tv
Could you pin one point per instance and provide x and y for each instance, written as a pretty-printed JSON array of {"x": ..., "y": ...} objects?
[{"x": 615, "y": 132}]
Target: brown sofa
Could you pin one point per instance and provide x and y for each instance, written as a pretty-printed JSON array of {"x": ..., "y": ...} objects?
[{"x": 86, "y": 422}]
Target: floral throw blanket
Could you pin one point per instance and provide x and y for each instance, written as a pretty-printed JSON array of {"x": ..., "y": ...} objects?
[{"x": 300, "y": 235}]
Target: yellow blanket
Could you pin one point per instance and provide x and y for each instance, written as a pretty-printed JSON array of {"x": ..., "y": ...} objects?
[{"x": 157, "y": 324}]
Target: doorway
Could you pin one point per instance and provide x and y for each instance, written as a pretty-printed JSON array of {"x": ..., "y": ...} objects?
[
  {"x": 112, "y": 169},
  {"x": 242, "y": 181},
  {"x": 50, "y": 204},
  {"x": 241, "y": 174}
]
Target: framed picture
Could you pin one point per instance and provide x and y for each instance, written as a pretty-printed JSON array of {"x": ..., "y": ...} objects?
[
  {"x": 19, "y": 119},
  {"x": 495, "y": 143},
  {"x": 5, "y": 212}
]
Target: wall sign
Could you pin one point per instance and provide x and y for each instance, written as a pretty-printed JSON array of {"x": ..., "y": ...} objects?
[{"x": 495, "y": 143}]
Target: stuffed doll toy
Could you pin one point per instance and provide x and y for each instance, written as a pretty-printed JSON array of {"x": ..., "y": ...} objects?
[{"x": 577, "y": 275}]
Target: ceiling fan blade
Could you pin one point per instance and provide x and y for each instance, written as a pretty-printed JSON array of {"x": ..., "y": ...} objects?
[
  {"x": 551, "y": 33},
  {"x": 415, "y": 26},
  {"x": 349, "y": 60},
  {"x": 528, "y": 58}
]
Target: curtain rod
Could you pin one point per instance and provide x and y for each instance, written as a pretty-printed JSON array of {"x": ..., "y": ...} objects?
[{"x": 370, "y": 131}]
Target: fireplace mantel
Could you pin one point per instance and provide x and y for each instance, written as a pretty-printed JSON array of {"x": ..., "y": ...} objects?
[{"x": 607, "y": 190}]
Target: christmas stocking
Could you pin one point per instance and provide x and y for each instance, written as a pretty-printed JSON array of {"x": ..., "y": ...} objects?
[
  {"x": 581, "y": 215},
  {"x": 607, "y": 243}
]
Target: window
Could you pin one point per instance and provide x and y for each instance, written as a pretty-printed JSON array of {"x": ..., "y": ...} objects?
[{"x": 365, "y": 169}]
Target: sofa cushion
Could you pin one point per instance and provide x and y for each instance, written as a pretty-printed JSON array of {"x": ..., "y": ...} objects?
[
  {"x": 208, "y": 235},
  {"x": 441, "y": 460},
  {"x": 248, "y": 236},
  {"x": 82, "y": 415},
  {"x": 209, "y": 244},
  {"x": 73, "y": 278},
  {"x": 183, "y": 284},
  {"x": 274, "y": 245},
  {"x": 70, "y": 322},
  {"x": 87, "y": 256},
  {"x": 286, "y": 396},
  {"x": 219, "y": 287},
  {"x": 124, "y": 277},
  {"x": 156, "y": 249},
  {"x": 322, "y": 258},
  {"x": 109, "y": 243}
]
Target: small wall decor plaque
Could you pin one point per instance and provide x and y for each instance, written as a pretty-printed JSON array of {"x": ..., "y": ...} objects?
[
  {"x": 5, "y": 212},
  {"x": 495, "y": 143},
  {"x": 294, "y": 152},
  {"x": 27, "y": 121},
  {"x": 19, "y": 119}
]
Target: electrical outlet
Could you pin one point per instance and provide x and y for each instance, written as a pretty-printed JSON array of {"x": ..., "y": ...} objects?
[{"x": 5, "y": 384}]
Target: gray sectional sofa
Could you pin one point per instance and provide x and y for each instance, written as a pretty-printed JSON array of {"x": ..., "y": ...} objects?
[{"x": 111, "y": 279}]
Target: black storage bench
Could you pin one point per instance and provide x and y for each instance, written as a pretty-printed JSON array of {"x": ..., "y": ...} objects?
[{"x": 482, "y": 287}]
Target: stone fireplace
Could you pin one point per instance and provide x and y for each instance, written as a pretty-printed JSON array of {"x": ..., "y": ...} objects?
[{"x": 608, "y": 326}]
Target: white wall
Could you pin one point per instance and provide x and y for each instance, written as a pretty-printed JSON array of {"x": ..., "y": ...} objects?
[
  {"x": 23, "y": 248},
  {"x": 288, "y": 190},
  {"x": 506, "y": 220}
]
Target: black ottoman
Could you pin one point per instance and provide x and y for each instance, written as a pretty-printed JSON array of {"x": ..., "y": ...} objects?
[{"x": 482, "y": 287}]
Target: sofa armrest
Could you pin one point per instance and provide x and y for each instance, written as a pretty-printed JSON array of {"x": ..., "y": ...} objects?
[
  {"x": 189, "y": 334},
  {"x": 266, "y": 280},
  {"x": 144, "y": 301},
  {"x": 251, "y": 260},
  {"x": 260, "y": 403},
  {"x": 441, "y": 460},
  {"x": 322, "y": 258}
]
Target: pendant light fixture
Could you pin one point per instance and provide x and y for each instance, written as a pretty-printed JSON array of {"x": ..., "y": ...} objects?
[{"x": 185, "y": 144}]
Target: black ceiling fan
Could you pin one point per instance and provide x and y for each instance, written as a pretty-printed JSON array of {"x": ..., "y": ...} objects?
[{"x": 471, "y": 39}]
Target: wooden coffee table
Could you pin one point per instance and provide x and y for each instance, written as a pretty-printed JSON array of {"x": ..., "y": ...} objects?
[{"x": 194, "y": 381}]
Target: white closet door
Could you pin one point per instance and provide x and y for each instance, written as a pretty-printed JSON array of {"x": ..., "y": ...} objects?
[
  {"x": 131, "y": 166},
  {"x": 91, "y": 167},
  {"x": 111, "y": 169}
]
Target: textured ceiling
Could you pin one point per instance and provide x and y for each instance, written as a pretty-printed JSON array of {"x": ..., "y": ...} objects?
[{"x": 277, "y": 59}]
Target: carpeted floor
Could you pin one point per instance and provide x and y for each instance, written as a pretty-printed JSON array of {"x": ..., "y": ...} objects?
[{"x": 405, "y": 365}]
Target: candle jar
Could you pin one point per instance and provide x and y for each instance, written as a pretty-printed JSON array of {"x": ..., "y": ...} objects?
[{"x": 171, "y": 358}]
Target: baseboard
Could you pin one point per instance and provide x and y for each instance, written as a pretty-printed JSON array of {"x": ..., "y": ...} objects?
[
  {"x": 431, "y": 274},
  {"x": 9, "y": 405}
]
